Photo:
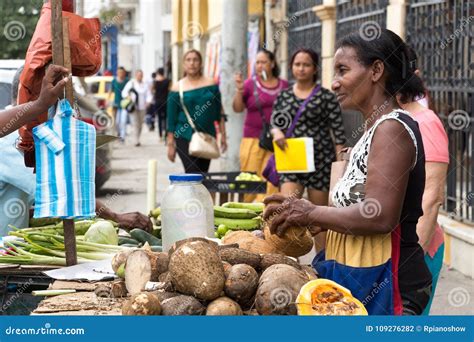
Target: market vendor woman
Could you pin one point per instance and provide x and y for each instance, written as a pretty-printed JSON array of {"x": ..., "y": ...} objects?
[{"x": 372, "y": 246}]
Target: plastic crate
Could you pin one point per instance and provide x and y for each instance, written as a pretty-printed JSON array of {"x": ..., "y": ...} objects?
[{"x": 224, "y": 182}]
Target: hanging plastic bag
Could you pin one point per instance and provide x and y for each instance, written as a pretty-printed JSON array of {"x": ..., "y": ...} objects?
[{"x": 65, "y": 166}]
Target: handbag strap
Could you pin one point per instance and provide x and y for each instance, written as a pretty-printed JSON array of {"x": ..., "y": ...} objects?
[
  {"x": 257, "y": 101},
  {"x": 289, "y": 132},
  {"x": 181, "y": 99}
]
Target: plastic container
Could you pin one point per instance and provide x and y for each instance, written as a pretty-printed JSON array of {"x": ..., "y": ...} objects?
[{"x": 186, "y": 210}]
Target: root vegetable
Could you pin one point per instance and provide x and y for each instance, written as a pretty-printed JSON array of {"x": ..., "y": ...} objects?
[
  {"x": 240, "y": 256},
  {"x": 227, "y": 267},
  {"x": 144, "y": 303},
  {"x": 246, "y": 240},
  {"x": 163, "y": 295},
  {"x": 143, "y": 266},
  {"x": 273, "y": 259},
  {"x": 182, "y": 305},
  {"x": 277, "y": 290},
  {"x": 120, "y": 258},
  {"x": 115, "y": 289},
  {"x": 223, "y": 306},
  {"x": 196, "y": 269},
  {"x": 179, "y": 243},
  {"x": 241, "y": 283}
]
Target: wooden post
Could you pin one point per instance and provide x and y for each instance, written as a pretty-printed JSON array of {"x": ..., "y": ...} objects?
[{"x": 62, "y": 56}]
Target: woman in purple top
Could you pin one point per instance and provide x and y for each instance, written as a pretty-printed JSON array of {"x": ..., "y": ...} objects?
[{"x": 256, "y": 95}]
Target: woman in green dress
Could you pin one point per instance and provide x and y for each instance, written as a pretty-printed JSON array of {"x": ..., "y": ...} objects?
[{"x": 202, "y": 98}]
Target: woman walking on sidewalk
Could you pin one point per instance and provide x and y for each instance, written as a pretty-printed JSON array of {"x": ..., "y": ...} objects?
[
  {"x": 320, "y": 117},
  {"x": 137, "y": 90},
  {"x": 257, "y": 95},
  {"x": 202, "y": 99}
]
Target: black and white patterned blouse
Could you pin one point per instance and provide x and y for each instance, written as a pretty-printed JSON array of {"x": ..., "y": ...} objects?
[{"x": 321, "y": 116}]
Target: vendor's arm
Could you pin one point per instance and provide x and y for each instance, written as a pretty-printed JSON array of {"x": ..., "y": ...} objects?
[
  {"x": 51, "y": 90},
  {"x": 127, "y": 220},
  {"x": 391, "y": 157}
]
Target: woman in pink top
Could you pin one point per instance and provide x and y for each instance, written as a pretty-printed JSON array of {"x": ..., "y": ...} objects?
[
  {"x": 257, "y": 95},
  {"x": 435, "y": 142}
]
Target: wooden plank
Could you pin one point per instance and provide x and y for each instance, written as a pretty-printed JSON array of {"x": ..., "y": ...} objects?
[
  {"x": 67, "y": 60},
  {"x": 75, "y": 285},
  {"x": 78, "y": 301},
  {"x": 57, "y": 32},
  {"x": 58, "y": 38}
]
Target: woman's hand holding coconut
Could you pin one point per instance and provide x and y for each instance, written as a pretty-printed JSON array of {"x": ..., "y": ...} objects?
[{"x": 282, "y": 213}]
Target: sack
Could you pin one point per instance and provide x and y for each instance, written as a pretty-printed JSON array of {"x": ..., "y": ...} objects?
[
  {"x": 270, "y": 172},
  {"x": 128, "y": 105},
  {"x": 202, "y": 145}
]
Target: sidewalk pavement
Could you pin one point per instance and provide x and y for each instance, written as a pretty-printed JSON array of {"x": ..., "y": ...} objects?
[{"x": 126, "y": 192}]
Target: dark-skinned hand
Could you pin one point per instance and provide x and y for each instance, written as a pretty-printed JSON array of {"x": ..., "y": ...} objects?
[
  {"x": 288, "y": 212},
  {"x": 134, "y": 220}
]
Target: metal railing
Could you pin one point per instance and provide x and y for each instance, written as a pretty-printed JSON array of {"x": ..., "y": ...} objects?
[{"x": 441, "y": 32}]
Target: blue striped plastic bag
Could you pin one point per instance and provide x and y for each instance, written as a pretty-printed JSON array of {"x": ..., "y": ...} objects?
[{"x": 65, "y": 166}]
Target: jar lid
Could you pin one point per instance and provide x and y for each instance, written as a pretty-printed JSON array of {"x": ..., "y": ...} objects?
[{"x": 187, "y": 177}]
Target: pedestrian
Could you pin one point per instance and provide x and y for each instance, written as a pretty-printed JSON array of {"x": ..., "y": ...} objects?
[
  {"x": 137, "y": 90},
  {"x": 435, "y": 142},
  {"x": 150, "y": 109},
  {"x": 372, "y": 247},
  {"x": 256, "y": 95},
  {"x": 118, "y": 83},
  {"x": 202, "y": 99},
  {"x": 161, "y": 90},
  {"x": 320, "y": 119}
]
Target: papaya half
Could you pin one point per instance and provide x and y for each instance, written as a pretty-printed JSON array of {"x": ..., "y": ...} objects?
[{"x": 321, "y": 297}]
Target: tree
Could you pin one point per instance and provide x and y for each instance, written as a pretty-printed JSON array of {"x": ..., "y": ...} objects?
[{"x": 18, "y": 20}]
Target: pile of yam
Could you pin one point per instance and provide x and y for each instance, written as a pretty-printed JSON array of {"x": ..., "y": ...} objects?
[{"x": 199, "y": 277}]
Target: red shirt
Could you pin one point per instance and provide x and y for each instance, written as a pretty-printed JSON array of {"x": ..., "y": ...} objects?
[{"x": 435, "y": 143}]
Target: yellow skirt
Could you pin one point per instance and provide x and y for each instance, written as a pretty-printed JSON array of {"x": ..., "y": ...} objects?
[{"x": 254, "y": 159}]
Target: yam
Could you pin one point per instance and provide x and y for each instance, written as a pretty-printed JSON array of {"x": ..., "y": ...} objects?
[
  {"x": 179, "y": 243},
  {"x": 295, "y": 242},
  {"x": 273, "y": 259},
  {"x": 227, "y": 267},
  {"x": 120, "y": 258},
  {"x": 182, "y": 305},
  {"x": 196, "y": 269},
  {"x": 246, "y": 240},
  {"x": 143, "y": 266},
  {"x": 223, "y": 306},
  {"x": 236, "y": 256},
  {"x": 144, "y": 303},
  {"x": 114, "y": 289},
  {"x": 163, "y": 295},
  {"x": 277, "y": 290},
  {"x": 241, "y": 283}
]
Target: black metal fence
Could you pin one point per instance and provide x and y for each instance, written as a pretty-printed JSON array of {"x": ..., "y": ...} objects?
[
  {"x": 442, "y": 32},
  {"x": 304, "y": 29}
]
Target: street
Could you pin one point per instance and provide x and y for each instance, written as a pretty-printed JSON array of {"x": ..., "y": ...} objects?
[{"x": 126, "y": 192}]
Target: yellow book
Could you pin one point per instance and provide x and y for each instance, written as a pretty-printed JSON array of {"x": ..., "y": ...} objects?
[{"x": 298, "y": 156}]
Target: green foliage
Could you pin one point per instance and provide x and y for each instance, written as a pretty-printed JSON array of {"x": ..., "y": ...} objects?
[{"x": 18, "y": 20}]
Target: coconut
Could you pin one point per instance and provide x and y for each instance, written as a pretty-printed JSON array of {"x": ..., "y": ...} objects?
[
  {"x": 241, "y": 283},
  {"x": 182, "y": 305},
  {"x": 196, "y": 269},
  {"x": 248, "y": 241},
  {"x": 223, "y": 306},
  {"x": 295, "y": 242},
  {"x": 277, "y": 290},
  {"x": 143, "y": 303},
  {"x": 236, "y": 256}
]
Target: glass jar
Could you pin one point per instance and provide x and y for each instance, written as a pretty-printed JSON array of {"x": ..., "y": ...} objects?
[{"x": 186, "y": 210}]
